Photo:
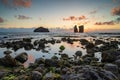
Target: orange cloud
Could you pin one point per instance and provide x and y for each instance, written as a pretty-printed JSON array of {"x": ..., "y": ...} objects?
[
  {"x": 81, "y": 17},
  {"x": 1, "y": 20},
  {"x": 105, "y": 23},
  {"x": 17, "y": 3},
  {"x": 116, "y": 11},
  {"x": 24, "y": 3},
  {"x": 74, "y": 18},
  {"x": 22, "y": 17}
]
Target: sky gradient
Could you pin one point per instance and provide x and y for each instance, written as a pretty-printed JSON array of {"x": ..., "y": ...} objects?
[{"x": 93, "y": 14}]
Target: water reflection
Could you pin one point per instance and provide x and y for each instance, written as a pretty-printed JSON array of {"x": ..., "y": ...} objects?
[{"x": 70, "y": 49}]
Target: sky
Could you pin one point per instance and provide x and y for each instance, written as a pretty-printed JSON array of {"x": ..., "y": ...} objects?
[{"x": 93, "y": 14}]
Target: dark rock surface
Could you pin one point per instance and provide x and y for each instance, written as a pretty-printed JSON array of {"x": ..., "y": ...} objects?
[
  {"x": 41, "y": 29},
  {"x": 22, "y": 57}
]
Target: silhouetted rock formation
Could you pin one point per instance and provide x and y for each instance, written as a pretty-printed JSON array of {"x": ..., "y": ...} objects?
[
  {"x": 41, "y": 29},
  {"x": 75, "y": 29},
  {"x": 81, "y": 29}
]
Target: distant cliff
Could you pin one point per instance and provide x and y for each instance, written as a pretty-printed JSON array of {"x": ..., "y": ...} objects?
[{"x": 41, "y": 29}]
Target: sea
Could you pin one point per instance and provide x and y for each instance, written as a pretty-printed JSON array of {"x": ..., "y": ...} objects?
[{"x": 52, "y": 49}]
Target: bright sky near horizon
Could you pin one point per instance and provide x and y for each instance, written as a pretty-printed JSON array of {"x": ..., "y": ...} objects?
[{"x": 93, "y": 14}]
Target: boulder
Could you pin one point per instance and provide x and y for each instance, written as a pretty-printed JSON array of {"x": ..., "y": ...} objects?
[
  {"x": 107, "y": 75},
  {"x": 111, "y": 67},
  {"x": 98, "y": 42},
  {"x": 7, "y": 52},
  {"x": 90, "y": 46},
  {"x": 78, "y": 53},
  {"x": 117, "y": 62},
  {"x": 36, "y": 75},
  {"x": 41, "y": 29},
  {"x": 2, "y": 74},
  {"x": 22, "y": 57},
  {"x": 8, "y": 61},
  {"x": 64, "y": 56},
  {"x": 40, "y": 61},
  {"x": 110, "y": 55},
  {"x": 91, "y": 75},
  {"x": 49, "y": 76},
  {"x": 84, "y": 41}
]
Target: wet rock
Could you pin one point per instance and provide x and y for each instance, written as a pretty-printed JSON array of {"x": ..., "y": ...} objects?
[
  {"x": 64, "y": 70},
  {"x": 90, "y": 46},
  {"x": 23, "y": 77},
  {"x": 8, "y": 61},
  {"x": 111, "y": 67},
  {"x": 69, "y": 41},
  {"x": 2, "y": 74},
  {"x": 40, "y": 61},
  {"x": 91, "y": 51},
  {"x": 17, "y": 45},
  {"x": 22, "y": 57},
  {"x": 110, "y": 55},
  {"x": 26, "y": 39},
  {"x": 28, "y": 46},
  {"x": 41, "y": 45},
  {"x": 117, "y": 62},
  {"x": 39, "y": 69},
  {"x": 87, "y": 60},
  {"x": 7, "y": 52},
  {"x": 63, "y": 39},
  {"x": 54, "y": 58},
  {"x": 108, "y": 46},
  {"x": 58, "y": 41},
  {"x": 84, "y": 41},
  {"x": 64, "y": 56},
  {"x": 49, "y": 76},
  {"x": 107, "y": 75},
  {"x": 78, "y": 53},
  {"x": 48, "y": 62},
  {"x": 8, "y": 44},
  {"x": 36, "y": 75},
  {"x": 65, "y": 77},
  {"x": 98, "y": 42},
  {"x": 91, "y": 75},
  {"x": 35, "y": 42},
  {"x": 51, "y": 63}
]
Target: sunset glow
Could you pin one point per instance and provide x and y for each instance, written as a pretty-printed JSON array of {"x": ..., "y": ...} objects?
[{"x": 93, "y": 14}]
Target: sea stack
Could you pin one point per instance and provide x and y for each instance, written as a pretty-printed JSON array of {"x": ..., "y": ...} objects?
[
  {"x": 81, "y": 29},
  {"x": 75, "y": 29}
]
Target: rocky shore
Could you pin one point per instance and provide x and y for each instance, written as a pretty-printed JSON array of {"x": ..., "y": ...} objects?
[{"x": 78, "y": 67}]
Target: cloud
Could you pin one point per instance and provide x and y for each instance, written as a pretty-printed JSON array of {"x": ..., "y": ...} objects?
[
  {"x": 1, "y": 20},
  {"x": 93, "y": 12},
  {"x": 105, "y": 23},
  {"x": 116, "y": 11},
  {"x": 24, "y": 3},
  {"x": 17, "y": 3},
  {"x": 22, "y": 17},
  {"x": 74, "y": 18},
  {"x": 117, "y": 20},
  {"x": 81, "y": 17}
]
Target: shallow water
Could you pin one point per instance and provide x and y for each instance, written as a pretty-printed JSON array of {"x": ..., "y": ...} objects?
[{"x": 70, "y": 49}]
